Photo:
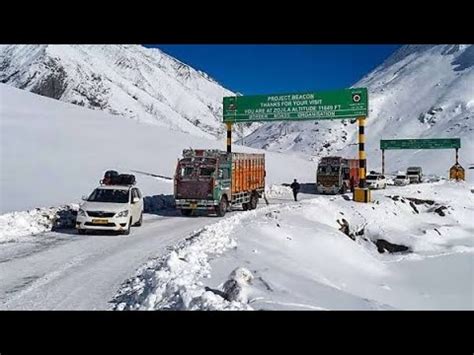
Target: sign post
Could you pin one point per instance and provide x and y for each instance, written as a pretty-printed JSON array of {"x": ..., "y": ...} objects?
[{"x": 328, "y": 105}]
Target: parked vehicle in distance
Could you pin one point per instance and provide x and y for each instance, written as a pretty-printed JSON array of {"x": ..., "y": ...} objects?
[
  {"x": 415, "y": 174},
  {"x": 337, "y": 175},
  {"x": 376, "y": 181},
  {"x": 401, "y": 180},
  {"x": 216, "y": 181},
  {"x": 111, "y": 207}
]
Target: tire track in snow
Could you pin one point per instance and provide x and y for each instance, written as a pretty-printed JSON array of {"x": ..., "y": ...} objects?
[{"x": 39, "y": 281}]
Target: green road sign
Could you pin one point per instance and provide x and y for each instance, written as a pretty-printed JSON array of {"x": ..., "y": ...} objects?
[
  {"x": 435, "y": 143},
  {"x": 347, "y": 103}
]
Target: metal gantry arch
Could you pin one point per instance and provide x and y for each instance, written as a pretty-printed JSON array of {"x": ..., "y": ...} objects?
[{"x": 456, "y": 172}]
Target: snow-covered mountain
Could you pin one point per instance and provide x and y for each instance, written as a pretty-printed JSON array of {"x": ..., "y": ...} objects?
[
  {"x": 421, "y": 91},
  {"x": 140, "y": 83}
]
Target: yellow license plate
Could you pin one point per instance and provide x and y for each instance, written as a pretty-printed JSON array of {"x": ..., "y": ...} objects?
[
  {"x": 193, "y": 205},
  {"x": 100, "y": 221}
]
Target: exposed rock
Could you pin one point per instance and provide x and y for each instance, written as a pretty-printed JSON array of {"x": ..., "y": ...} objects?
[
  {"x": 439, "y": 210},
  {"x": 384, "y": 245}
]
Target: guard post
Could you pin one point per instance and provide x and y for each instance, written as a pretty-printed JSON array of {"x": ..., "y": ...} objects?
[
  {"x": 456, "y": 172},
  {"x": 362, "y": 193}
]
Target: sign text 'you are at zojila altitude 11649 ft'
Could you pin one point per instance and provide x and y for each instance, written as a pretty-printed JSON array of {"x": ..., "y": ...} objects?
[{"x": 340, "y": 104}]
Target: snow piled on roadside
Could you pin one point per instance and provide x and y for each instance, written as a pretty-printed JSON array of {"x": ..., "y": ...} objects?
[
  {"x": 15, "y": 225},
  {"x": 275, "y": 191},
  {"x": 295, "y": 256},
  {"x": 174, "y": 281}
]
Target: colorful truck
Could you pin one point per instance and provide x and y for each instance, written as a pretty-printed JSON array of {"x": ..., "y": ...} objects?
[
  {"x": 216, "y": 181},
  {"x": 337, "y": 175}
]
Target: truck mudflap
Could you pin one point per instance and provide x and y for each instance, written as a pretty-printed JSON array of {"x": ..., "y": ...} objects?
[{"x": 196, "y": 204}]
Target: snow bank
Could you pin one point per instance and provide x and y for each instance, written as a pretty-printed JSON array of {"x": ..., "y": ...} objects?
[
  {"x": 156, "y": 203},
  {"x": 295, "y": 256},
  {"x": 275, "y": 191},
  {"x": 16, "y": 225},
  {"x": 175, "y": 280}
]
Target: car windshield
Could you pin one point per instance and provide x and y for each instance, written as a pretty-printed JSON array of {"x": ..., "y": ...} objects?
[
  {"x": 109, "y": 195},
  {"x": 401, "y": 177},
  {"x": 371, "y": 177}
]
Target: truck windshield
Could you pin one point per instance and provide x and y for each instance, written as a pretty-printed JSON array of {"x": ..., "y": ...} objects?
[
  {"x": 186, "y": 171},
  {"x": 108, "y": 195},
  {"x": 206, "y": 171},
  {"x": 328, "y": 170}
]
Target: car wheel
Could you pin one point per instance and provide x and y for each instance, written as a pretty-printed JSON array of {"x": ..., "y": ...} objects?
[
  {"x": 140, "y": 221},
  {"x": 81, "y": 231},
  {"x": 127, "y": 231}
]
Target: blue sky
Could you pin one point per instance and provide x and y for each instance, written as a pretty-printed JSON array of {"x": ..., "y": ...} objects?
[{"x": 265, "y": 69}]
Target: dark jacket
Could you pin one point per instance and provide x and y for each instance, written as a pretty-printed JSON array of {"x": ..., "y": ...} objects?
[{"x": 295, "y": 186}]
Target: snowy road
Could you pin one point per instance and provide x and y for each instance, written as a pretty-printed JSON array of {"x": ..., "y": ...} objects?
[{"x": 68, "y": 271}]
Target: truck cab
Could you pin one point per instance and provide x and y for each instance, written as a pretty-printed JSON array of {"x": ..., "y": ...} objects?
[
  {"x": 336, "y": 175},
  {"x": 202, "y": 180},
  {"x": 414, "y": 174}
]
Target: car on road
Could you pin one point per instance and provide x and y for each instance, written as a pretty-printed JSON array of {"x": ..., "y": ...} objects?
[
  {"x": 376, "y": 181},
  {"x": 401, "y": 180},
  {"x": 112, "y": 208}
]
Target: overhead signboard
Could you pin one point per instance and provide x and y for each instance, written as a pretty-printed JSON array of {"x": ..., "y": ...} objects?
[
  {"x": 328, "y": 105},
  {"x": 434, "y": 143}
]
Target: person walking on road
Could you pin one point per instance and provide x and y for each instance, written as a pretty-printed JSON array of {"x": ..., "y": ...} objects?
[{"x": 296, "y": 188}]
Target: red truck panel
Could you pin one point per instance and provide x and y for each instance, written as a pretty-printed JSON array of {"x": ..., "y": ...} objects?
[{"x": 354, "y": 170}]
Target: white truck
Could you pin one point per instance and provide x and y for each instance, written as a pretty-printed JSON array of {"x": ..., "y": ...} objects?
[{"x": 414, "y": 174}]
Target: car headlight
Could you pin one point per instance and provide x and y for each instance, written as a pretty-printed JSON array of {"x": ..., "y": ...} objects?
[
  {"x": 81, "y": 213},
  {"x": 122, "y": 214}
]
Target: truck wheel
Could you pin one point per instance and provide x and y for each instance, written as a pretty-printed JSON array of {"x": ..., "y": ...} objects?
[
  {"x": 245, "y": 206},
  {"x": 253, "y": 202},
  {"x": 343, "y": 189},
  {"x": 186, "y": 213},
  {"x": 81, "y": 231},
  {"x": 222, "y": 207},
  {"x": 140, "y": 221}
]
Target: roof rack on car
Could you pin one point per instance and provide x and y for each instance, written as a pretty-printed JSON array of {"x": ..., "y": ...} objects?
[{"x": 118, "y": 179}]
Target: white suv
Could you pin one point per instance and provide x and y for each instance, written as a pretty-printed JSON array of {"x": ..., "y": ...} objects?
[
  {"x": 114, "y": 208},
  {"x": 376, "y": 181},
  {"x": 401, "y": 180}
]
